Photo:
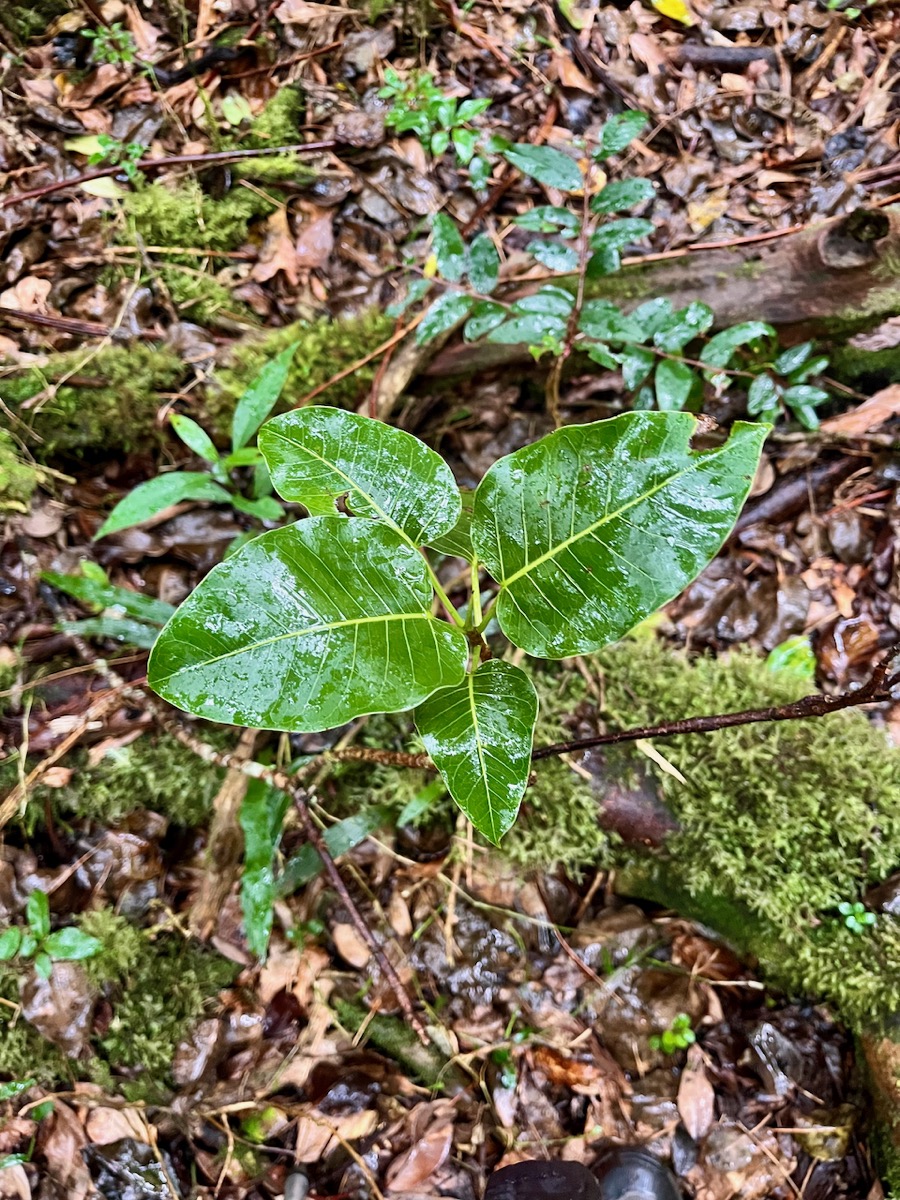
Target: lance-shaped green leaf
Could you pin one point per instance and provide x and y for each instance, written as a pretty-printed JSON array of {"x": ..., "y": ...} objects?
[
  {"x": 307, "y": 627},
  {"x": 592, "y": 528},
  {"x": 479, "y": 735},
  {"x": 318, "y": 454}
]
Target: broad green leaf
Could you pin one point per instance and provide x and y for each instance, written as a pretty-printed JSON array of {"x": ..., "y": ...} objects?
[
  {"x": 548, "y": 218},
  {"x": 793, "y": 358},
  {"x": 762, "y": 397},
  {"x": 260, "y": 397},
  {"x": 261, "y": 816},
  {"x": 683, "y": 326},
  {"x": 637, "y": 363},
  {"x": 469, "y": 109},
  {"x": 486, "y": 315},
  {"x": 526, "y": 330},
  {"x": 619, "y": 132},
  {"x": 266, "y": 508},
  {"x": 554, "y": 301},
  {"x": 605, "y": 321},
  {"x": 442, "y": 315},
  {"x": 10, "y": 941},
  {"x": 448, "y": 246},
  {"x": 623, "y": 194},
  {"x": 107, "y": 595},
  {"x": 118, "y": 629},
  {"x": 719, "y": 350},
  {"x": 652, "y": 315},
  {"x": 619, "y": 234},
  {"x": 458, "y": 542},
  {"x": 306, "y": 628},
  {"x": 149, "y": 498},
  {"x": 317, "y": 454},
  {"x": 72, "y": 944},
  {"x": 479, "y": 735},
  {"x": 43, "y": 964},
  {"x": 795, "y": 655},
  {"x": 414, "y": 294},
  {"x": 439, "y": 142},
  {"x": 673, "y": 381},
  {"x": 464, "y": 143},
  {"x": 37, "y": 914},
  {"x": 594, "y": 527},
  {"x": 194, "y": 437},
  {"x": 340, "y": 838},
  {"x": 484, "y": 264},
  {"x": 15, "y": 1087},
  {"x": 803, "y": 393},
  {"x": 550, "y": 167},
  {"x": 555, "y": 256}
]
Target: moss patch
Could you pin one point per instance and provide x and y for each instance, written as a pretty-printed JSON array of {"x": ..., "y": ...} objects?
[
  {"x": 186, "y": 216},
  {"x": 18, "y": 479},
  {"x": 113, "y": 409},
  {"x": 325, "y": 348}
]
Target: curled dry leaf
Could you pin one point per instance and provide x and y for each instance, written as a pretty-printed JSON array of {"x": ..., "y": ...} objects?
[
  {"x": 416, "y": 1165},
  {"x": 316, "y": 1133},
  {"x": 350, "y": 945},
  {"x": 696, "y": 1097},
  {"x": 872, "y": 413}
]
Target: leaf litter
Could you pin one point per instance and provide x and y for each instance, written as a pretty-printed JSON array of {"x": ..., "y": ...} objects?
[{"x": 763, "y": 117}]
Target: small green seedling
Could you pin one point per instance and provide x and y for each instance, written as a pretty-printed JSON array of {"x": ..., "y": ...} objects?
[
  {"x": 120, "y": 613},
  {"x": 419, "y": 107},
  {"x": 118, "y": 154},
  {"x": 856, "y": 916},
  {"x": 114, "y": 45},
  {"x": 37, "y": 943},
  {"x": 677, "y": 1037},
  {"x": 215, "y": 483}
]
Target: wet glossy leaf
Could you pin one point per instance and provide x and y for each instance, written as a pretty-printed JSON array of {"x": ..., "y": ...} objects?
[
  {"x": 118, "y": 629},
  {"x": 194, "y": 437},
  {"x": 793, "y": 358},
  {"x": 652, "y": 315},
  {"x": 619, "y": 132},
  {"x": 469, "y": 109},
  {"x": 266, "y": 508},
  {"x": 152, "y": 497},
  {"x": 458, "y": 542},
  {"x": 673, "y": 381},
  {"x": 548, "y": 218},
  {"x": 555, "y": 256},
  {"x": 623, "y": 194},
  {"x": 15, "y": 1087},
  {"x": 43, "y": 964},
  {"x": 106, "y": 595},
  {"x": 260, "y": 397},
  {"x": 605, "y": 321},
  {"x": 548, "y": 166},
  {"x": 795, "y": 655},
  {"x": 317, "y": 454},
  {"x": 71, "y": 944},
  {"x": 10, "y": 941},
  {"x": 484, "y": 264},
  {"x": 448, "y": 247},
  {"x": 762, "y": 397},
  {"x": 809, "y": 397},
  {"x": 261, "y": 816},
  {"x": 307, "y": 627},
  {"x": 637, "y": 363},
  {"x": 594, "y": 527},
  {"x": 479, "y": 735},
  {"x": 37, "y": 914},
  {"x": 442, "y": 315},
  {"x": 683, "y": 326},
  {"x": 553, "y": 301},
  {"x": 464, "y": 143},
  {"x": 527, "y": 330},
  {"x": 719, "y": 350},
  {"x": 486, "y": 315},
  {"x": 619, "y": 234}
]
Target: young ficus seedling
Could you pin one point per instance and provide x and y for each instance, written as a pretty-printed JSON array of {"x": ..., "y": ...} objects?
[{"x": 572, "y": 541}]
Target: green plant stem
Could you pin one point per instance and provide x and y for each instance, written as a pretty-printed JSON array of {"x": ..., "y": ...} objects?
[
  {"x": 449, "y": 606},
  {"x": 486, "y": 616},
  {"x": 474, "y": 621}
]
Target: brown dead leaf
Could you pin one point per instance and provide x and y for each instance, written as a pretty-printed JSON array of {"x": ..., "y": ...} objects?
[
  {"x": 582, "y": 1075},
  {"x": 278, "y": 252},
  {"x": 14, "y": 1183},
  {"x": 647, "y": 50},
  {"x": 62, "y": 1154},
  {"x": 350, "y": 946},
  {"x": 872, "y": 413},
  {"x": 412, "y": 1169},
  {"x": 29, "y": 295},
  {"x": 287, "y": 969},
  {"x": 315, "y": 241},
  {"x": 83, "y": 94},
  {"x": 696, "y": 1096},
  {"x": 57, "y": 777},
  {"x": 316, "y": 1133},
  {"x": 569, "y": 75},
  {"x": 106, "y": 1125}
]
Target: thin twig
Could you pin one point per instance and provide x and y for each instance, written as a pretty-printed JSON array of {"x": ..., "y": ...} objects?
[{"x": 158, "y": 164}]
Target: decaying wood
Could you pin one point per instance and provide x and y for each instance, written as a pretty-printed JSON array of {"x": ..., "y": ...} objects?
[{"x": 844, "y": 272}]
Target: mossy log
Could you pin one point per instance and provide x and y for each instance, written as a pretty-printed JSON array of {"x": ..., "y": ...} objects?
[{"x": 832, "y": 279}]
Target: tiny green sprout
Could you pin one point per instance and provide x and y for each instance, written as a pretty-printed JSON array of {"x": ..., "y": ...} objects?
[
  {"x": 677, "y": 1037},
  {"x": 37, "y": 943},
  {"x": 856, "y": 916},
  {"x": 420, "y": 107},
  {"x": 505, "y": 1063},
  {"x": 119, "y": 154},
  {"x": 114, "y": 44}
]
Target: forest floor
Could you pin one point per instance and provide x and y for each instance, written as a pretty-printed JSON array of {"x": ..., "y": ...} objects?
[{"x": 149, "y": 244}]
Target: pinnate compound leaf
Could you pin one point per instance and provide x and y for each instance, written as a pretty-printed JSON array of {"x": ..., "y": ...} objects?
[
  {"x": 594, "y": 527},
  {"x": 550, "y": 167},
  {"x": 449, "y": 249},
  {"x": 479, "y": 735},
  {"x": 317, "y": 454},
  {"x": 260, "y": 398},
  {"x": 306, "y": 628},
  {"x": 152, "y": 497},
  {"x": 442, "y": 315}
]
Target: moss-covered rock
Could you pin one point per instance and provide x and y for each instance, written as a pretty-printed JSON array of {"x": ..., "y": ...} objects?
[
  {"x": 105, "y": 401},
  {"x": 183, "y": 215}
]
